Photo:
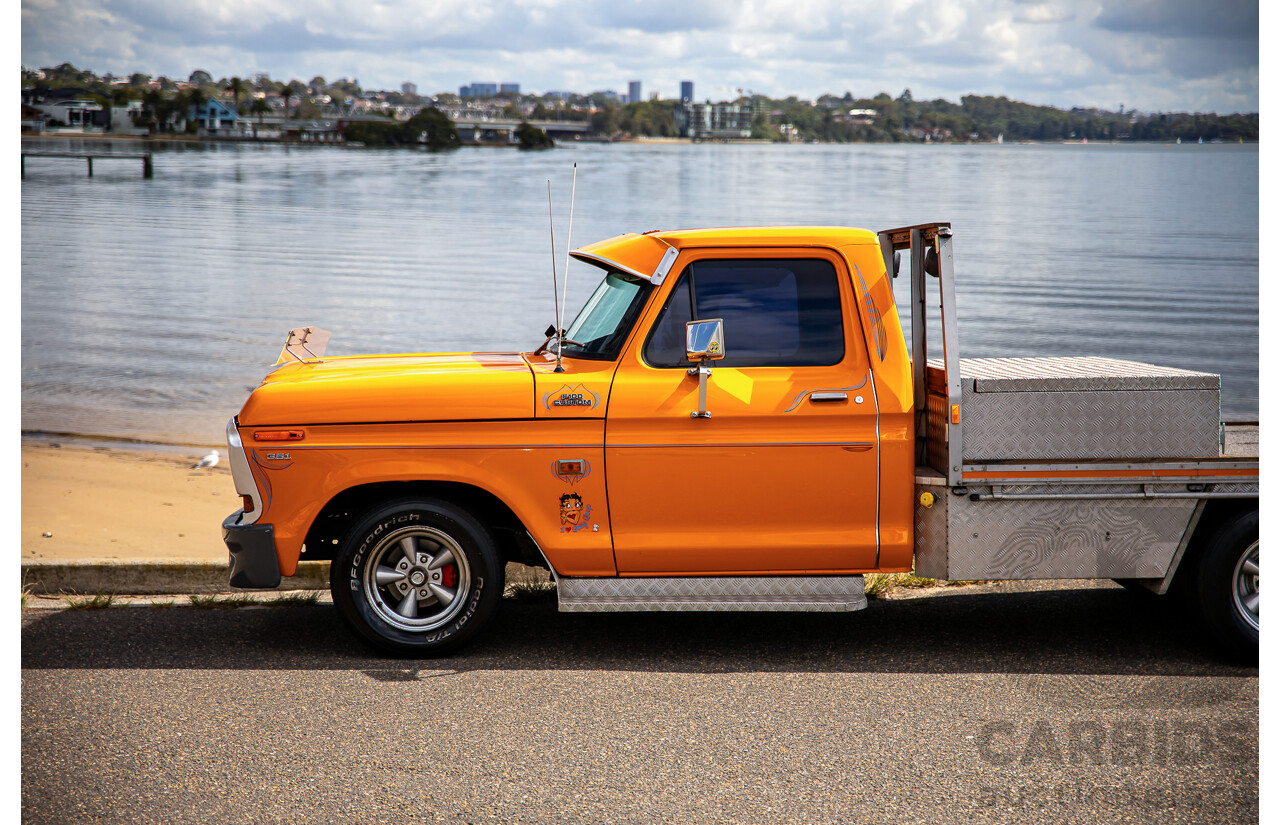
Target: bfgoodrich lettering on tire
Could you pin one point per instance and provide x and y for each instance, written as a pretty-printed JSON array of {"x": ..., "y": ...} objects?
[{"x": 417, "y": 577}]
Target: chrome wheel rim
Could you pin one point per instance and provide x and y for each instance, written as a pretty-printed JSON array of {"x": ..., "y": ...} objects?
[
  {"x": 417, "y": 579},
  {"x": 1245, "y": 585}
]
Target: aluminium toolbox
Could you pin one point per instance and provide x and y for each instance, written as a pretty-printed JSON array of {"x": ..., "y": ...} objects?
[{"x": 1033, "y": 409}]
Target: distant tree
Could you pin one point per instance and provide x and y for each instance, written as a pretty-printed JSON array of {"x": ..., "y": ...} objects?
[
  {"x": 605, "y": 121},
  {"x": 435, "y": 129},
  {"x": 152, "y": 102},
  {"x": 195, "y": 100},
  {"x": 139, "y": 79},
  {"x": 307, "y": 109},
  {"x": 200, "y": 78},
  {"x": 431, "y": 127},
  {"x": 259, "y": 107},
  {"x": 286, "y": 93},
  {"x": 238, "y": 90},
  {"x": 531, "y": 137},
  {"x": 318, "y": 86}
]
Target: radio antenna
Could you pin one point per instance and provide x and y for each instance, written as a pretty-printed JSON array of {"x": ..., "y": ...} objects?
[
  {"x": 564, "y": 294},
  {"x": 555, "y": 288}
]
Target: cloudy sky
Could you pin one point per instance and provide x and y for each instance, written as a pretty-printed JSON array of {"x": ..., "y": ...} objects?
[{"x": 1153, "y": 55}]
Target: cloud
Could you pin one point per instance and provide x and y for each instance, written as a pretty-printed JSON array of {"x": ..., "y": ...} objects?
[
  {"x": 1190, "y": 19},
  {"x": 1148, "y": 53}
]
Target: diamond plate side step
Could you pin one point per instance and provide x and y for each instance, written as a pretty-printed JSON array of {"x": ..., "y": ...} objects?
[{"x": 697, "y": 593}]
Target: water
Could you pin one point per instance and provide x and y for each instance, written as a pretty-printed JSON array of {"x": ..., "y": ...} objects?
[{"x": 150, "y": 308}]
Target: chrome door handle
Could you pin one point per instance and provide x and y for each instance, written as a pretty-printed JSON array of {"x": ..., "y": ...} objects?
[{"x": 828, "y": 396}]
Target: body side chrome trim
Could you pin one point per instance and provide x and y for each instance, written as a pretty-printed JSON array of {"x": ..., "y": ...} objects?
[
  {"x": 241, "y": 475},
  {"x": 555, "y": 577},
  {"x": 879, "y": 480}
]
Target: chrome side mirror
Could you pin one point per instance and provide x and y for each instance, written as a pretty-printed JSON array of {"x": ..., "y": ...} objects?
[{"x": 704, "y": 342}]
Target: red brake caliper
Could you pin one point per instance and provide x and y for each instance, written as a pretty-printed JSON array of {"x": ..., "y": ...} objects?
[{"x": 449, "y": 575}]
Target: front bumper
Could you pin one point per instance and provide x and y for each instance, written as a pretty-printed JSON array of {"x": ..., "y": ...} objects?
[{"x": 253, "y": 553}]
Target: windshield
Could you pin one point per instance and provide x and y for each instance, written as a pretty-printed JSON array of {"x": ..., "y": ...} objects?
[{"x": 601, "y": 327}]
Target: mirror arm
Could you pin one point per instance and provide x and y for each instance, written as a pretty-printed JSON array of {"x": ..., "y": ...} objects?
[{"x": 703, "y": 372}]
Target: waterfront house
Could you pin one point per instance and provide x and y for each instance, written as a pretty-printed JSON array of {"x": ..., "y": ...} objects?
[
  {"x": 214, "y": 117},
  {"x": 67, "y": 110},
  {"x": 75, "y": 115}
]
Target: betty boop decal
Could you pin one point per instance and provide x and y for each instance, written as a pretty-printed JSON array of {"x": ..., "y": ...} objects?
[{"x": 574, "y": 515}]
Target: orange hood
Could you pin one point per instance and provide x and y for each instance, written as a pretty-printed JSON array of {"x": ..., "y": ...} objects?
[{"x": 384, "y": 388}]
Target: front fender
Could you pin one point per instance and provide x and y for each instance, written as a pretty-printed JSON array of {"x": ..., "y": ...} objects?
[{"x": 549, "y": 473}]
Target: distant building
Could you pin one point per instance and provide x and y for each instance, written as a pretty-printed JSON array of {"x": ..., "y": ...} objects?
[
  {"x": 715, "y": 121},
  {"x": 213, "y": 116},
  {"x": 633, "y": 92},
  {"x": 409, "y": 88},
  {"x": 863, "y": 117},
  {"x": 509, "y": 88},
  {"x": 478, "y": 90},
  {"x": 69, "y": 109},
  {"x": 686, "y": 91}
]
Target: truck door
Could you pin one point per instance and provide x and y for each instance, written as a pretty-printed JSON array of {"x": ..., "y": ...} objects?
[{"x": 783, "y": 476}]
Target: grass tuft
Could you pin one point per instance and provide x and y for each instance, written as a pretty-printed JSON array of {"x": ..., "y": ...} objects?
[
  {"x": 297, "y": 598},
  {"x": 215, "y": 601},
  {"x": 529, "y": 584},
  {"x": 97, "y": 602},
  {"x": 879, "y": 585},
  {"x": 222, "y": 602}
]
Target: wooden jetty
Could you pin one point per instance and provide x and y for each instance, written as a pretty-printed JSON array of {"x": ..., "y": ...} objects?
[{"x": 147, "y": 168}]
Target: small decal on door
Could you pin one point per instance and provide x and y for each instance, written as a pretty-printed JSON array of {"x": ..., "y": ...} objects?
[{"x": 574, "y": 515}]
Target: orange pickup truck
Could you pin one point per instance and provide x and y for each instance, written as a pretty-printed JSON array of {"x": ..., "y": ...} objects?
[{"x": 734, "y": 422}]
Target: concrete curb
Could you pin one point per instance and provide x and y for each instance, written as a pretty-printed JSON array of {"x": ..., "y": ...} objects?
[{"x": 158, "y": 577}]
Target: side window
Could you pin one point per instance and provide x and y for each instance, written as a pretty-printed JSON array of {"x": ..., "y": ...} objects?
[{"x": 777, "y": 313}]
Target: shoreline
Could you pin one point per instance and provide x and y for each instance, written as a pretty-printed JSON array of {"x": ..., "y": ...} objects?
[
  {"x": 97, "y": 502},
  {"x": 117, "y": 443},
  {"x": 198, "y": 139}
]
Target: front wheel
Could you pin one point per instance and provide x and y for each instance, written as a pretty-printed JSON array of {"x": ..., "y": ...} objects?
[
  {"x": 417, "y": 577},
  {"x": 1226, "y": 585}
]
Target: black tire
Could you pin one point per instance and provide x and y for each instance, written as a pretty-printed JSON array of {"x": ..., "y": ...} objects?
[
  {"x": 1225, "y": 587},
  {"x": 417, "y": 577}
]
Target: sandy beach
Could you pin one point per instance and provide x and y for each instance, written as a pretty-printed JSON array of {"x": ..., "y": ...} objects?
[{"x": 99, "y": 503}]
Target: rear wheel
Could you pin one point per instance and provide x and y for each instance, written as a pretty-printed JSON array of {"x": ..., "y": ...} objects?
[
  {"x": 417, "y": 577},
  {"x": 1226, "y": 585}
]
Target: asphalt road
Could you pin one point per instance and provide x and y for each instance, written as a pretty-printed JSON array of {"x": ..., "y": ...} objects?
[{"x": 1008, "y": 704}]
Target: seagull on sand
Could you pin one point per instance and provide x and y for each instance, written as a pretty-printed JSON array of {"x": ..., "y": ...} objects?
[{"x": 208, "y": 461}]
